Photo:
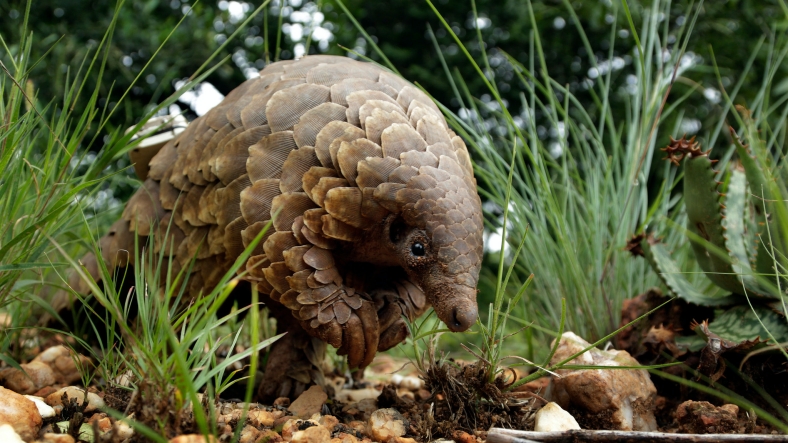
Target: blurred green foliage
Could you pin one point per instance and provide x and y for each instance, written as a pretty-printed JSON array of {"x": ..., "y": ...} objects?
[{"x": 402, "y": 28}]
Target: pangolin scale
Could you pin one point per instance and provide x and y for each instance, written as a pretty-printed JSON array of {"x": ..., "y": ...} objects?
[{"x": 373, "y": 201}]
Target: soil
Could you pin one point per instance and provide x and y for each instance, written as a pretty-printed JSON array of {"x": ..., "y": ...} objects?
[{"x": 456, "y": 401}]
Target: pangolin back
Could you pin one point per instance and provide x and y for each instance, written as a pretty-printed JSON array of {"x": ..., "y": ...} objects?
[{"x": 326, "y": 147}]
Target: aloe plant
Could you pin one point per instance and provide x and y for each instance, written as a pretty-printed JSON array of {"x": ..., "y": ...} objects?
[{"x": 737, "y": 239}]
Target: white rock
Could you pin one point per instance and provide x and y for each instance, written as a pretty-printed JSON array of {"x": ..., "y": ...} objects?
[
  {"x": 620, "y": 399},
  {"x": 123, "y": 430},
  {"x": 552, "y": 418},
  {"x": 386, "y": 423},
  {"x": 44, "y": 409},
  {"x": 9, "y": 435}
]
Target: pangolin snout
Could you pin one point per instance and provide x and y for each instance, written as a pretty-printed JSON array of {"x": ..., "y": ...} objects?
[
  {"x": 462, "y": 318},
  {"x": 455, "y": 305}
]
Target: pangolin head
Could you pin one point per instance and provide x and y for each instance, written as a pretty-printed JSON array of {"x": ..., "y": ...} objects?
[{"x": 437, "y": 236}]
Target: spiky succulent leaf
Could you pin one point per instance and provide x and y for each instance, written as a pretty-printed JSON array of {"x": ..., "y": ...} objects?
[
  {"x": 735, "y": 236},
  {"x": 740, "y": 324},
  {"x": 758, "y": 179},
  {"x": 704, "y": 214},
  {"x": 669, "y": 272}
]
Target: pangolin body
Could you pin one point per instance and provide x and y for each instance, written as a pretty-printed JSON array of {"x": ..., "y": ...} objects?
[{"x": 373, "y": 201}]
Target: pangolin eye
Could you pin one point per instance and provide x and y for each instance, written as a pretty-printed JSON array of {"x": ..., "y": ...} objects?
[{"x": 418, "y": 249}]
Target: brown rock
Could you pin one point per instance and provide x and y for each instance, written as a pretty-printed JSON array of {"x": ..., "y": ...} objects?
[
  {"x": 620, "y": 399},
  {"x": 55, "y": 399},
  {"x": 401, "y": 440},
  {"x": 263, "y": 417},
  {"x": 363, "y": 409},
  {"x": 249, "y": 434},
  {"x": 45, "y": 391},
  {"x": 702, "y": 417},
  {"x": 312, "y": 434},
  {"x": 193, "y": 438},
  {"x": 282, "y": 401},
  {"x": 463, "y": 437},
  {"x": 386, "y": 423},
  {"x": 34, "y": 376},
  {"x": 65, "y": 363},
  {"x": 19, "y": 412},
  {"x": 343, "y": 437},
  {"x": 329, "y": 422},
  {"x": 309, "y": 403},
  {"x": 269, "y": 436},
  {"x": 58, "y": 438}
]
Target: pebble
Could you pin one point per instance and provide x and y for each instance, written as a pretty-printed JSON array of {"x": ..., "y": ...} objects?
[
  {"x": 386, "y": 423},
  {"x": 309, "y": 403},
  {"x": 620, "y": 399},
  {"x": 552, "y": 418},
  {"x": 33, "y": 376},
  {"x": 263, "y": 417},
  {"x": 702, "y": 417},
  {"x": 344, "y": 438},
  {"x": 123, "y": 430},
  {"x": 63, "y": 362},
  {"x": 192, "y": 438},
  {"x": 20, "y": 413},
  {"x": 249, "y": 434},
  {"x": 9, "y": 435},
  {"x": 44, "y": 409},
  {"x": 312, "y": 434},
  {"x": 329, "y": 422},
  {"x": 408, "y": 382},
  {"x": 58, "y": 438},
  {"x": 56, "y": 401}
]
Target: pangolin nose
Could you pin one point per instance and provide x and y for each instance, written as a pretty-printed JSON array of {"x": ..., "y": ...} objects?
[{"x": 463, "y": 318}]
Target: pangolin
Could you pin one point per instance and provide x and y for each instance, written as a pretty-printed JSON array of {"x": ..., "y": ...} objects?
[{"x": 372, "y": 199}]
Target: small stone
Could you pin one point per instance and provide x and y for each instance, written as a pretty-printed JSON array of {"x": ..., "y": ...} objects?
[
  {"x": 329, "y": 422},
  {"x": 193, "y": 438},
  {"x": 309, "y": 403},
  {"x": 423, "y": 394},
  {"x": 263, "y": 417},
  {"x": 358, "y": 426},
  {"x": 363, "y": 409},
  {"x": 386, "y": 423},
  {"x": 269, "y": 436},
  {"x": 552, "y": 418},
  {"x": 9, "y": 435},
  {"x": 249, "y": 434},
  {"x": 104, "y": 424},
  {"x": 402, "y": 440},
  {"x": 282, "y": 401},
  {"x": 620, "y": 399},
  {"x": 34, "y": 376},
  {"x": 702, "y": 417},
  {"x": 123, "y": 430},
  {"x": 353, "y": 395},
  {"x": 56, "y": 398},
  {"x": 19, "y": 412},
  {"x": 312, "y": 434},
  {"x": 45, "y": 391},
  {"x": 58, "y": 438},
  {"x": 44, "y": 409},
  {"x": 412, "y": 383},
  {"x": 291, "y": 427},
  {"x": 463, "y": 437},
  {"x": 343, "y": 437},
  {"x": 64, "y": 362}
]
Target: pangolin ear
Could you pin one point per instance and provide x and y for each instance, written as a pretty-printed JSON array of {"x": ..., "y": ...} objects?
[{"x": 397, "y": 230}]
